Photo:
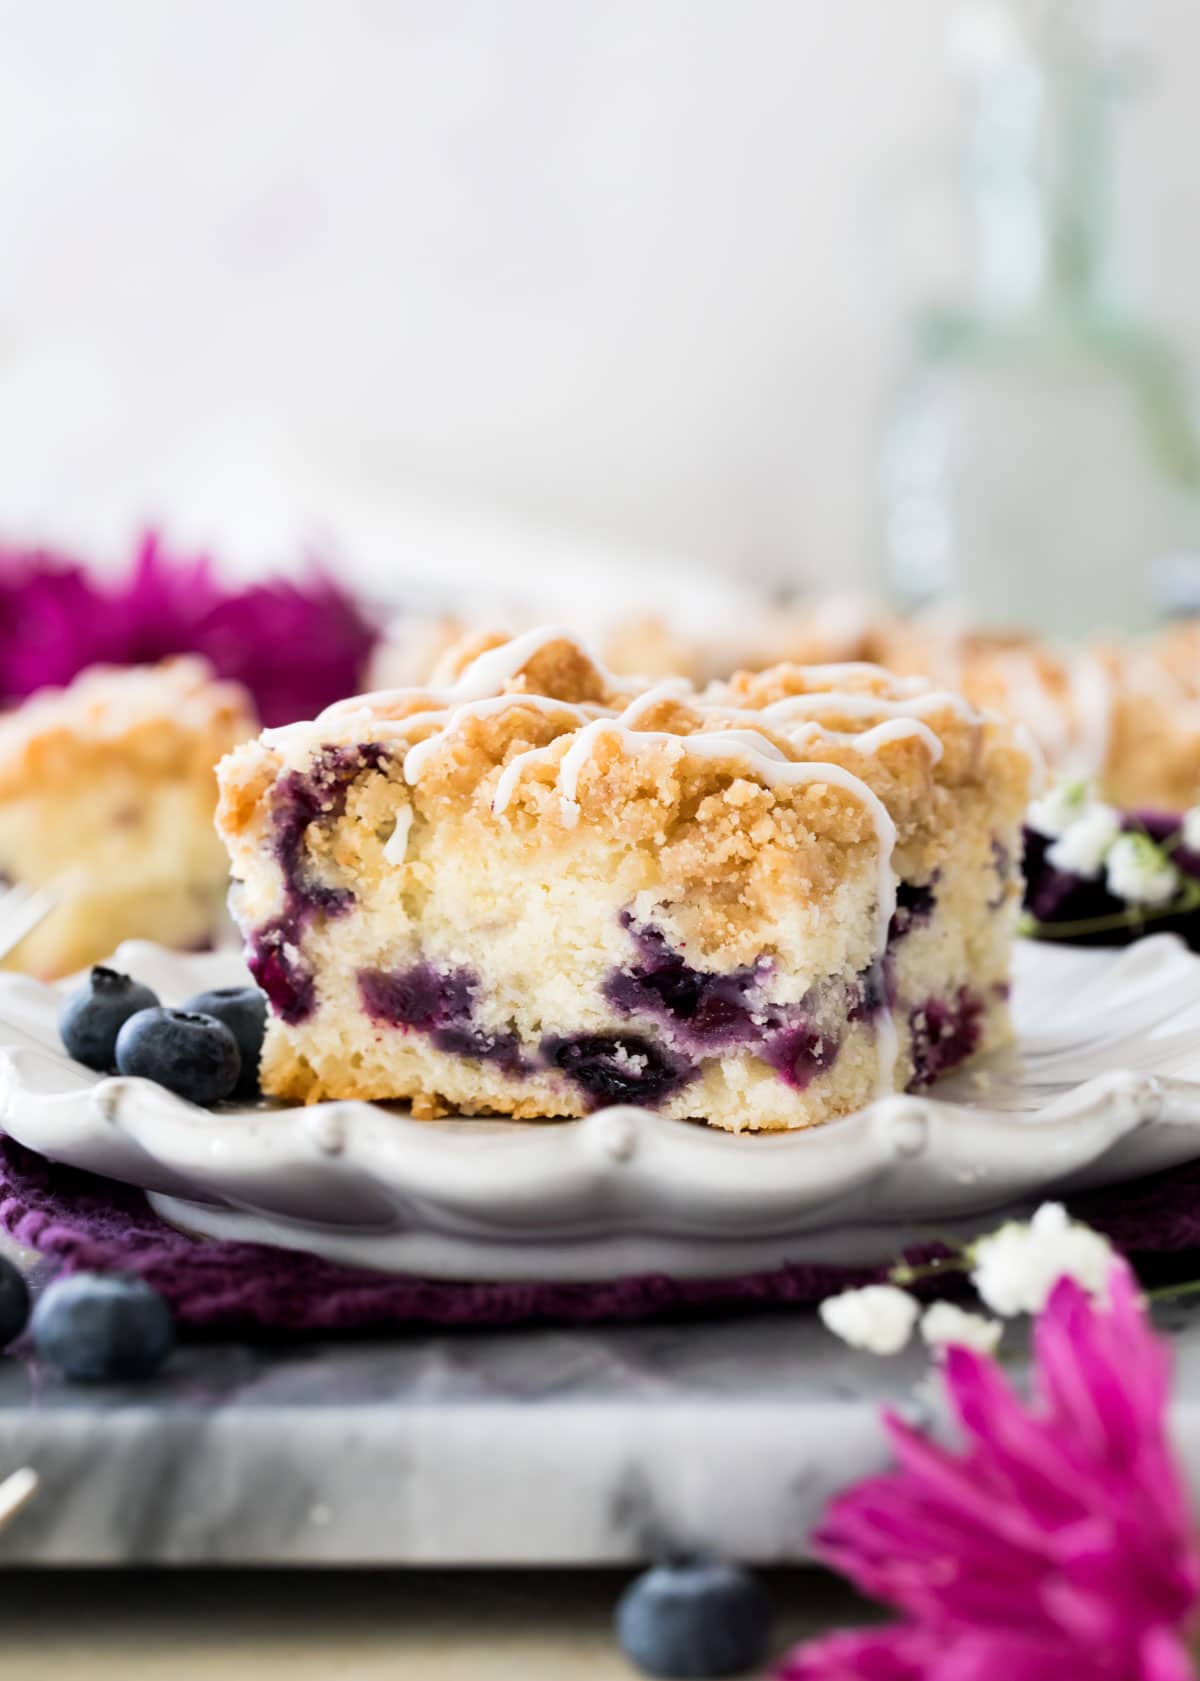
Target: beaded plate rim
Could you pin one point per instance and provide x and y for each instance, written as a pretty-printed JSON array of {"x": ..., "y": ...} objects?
[{"x": 1104, "y": 1086}]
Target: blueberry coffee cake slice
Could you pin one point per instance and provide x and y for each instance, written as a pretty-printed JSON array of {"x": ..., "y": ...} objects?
[
  {"x": 107, "y": 793},
  {"x": 534, "y": 889}
]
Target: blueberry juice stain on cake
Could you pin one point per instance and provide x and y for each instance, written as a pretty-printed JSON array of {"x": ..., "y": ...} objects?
[
  {"x": 441, "y": 1003},
  {"x": 680, "y": 1016},
  {"x": 627, "y": 1068},
  {"x": 943, "y": 1033},
  {"x": 704, "y": 1013},
  {"x": 274, "y": 959},
  {"x": 915, "y": 905},
  {"x": 874, "y": 988},
  {"x": 605, "y": 892},
  {"x": 705, "y": 1008},
  {"x": 274, "y": 949},
  {"x": 800, "y": 1053}
]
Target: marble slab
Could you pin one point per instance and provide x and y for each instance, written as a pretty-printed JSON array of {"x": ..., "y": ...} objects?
[{"x": 566, "y": 1447}]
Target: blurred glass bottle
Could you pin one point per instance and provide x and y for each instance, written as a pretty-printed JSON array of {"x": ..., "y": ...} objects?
[{"x": 1042, "y": 464}]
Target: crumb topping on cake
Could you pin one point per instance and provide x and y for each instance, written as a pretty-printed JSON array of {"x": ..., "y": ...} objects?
[
  {"x": 748, "y": 796},
  {"x": 535, "y": 729},
  {"x": 175, "y": 718},
  {"x": 515, "y": 709},
  {"x": 1123, "y": 712}
]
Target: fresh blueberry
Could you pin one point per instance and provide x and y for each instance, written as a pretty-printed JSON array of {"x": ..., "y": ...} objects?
[
  {"x": 192, "y": 1055},
  {"x": 96, "y": 1012},
  {"x": 14, "y": 1303},
  {"x": 693, "y": 1620},
  {"x": 243, "y": 1009},
  {"x": 99, "y": 1329}
]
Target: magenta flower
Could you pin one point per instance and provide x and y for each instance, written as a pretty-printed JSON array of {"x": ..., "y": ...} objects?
[
  {"x": 296, "y": 646},
  {"x": 1057, "y": 1546},
  {"x": 903, "y": 1653}
]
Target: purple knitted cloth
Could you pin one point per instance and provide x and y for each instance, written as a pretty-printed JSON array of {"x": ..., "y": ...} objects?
[{"x": 80, "y": 1222}]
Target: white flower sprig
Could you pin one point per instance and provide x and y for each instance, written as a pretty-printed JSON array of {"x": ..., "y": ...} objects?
[
  {"x": 1088, "y": 840},
  {"x": 1014, "y": 1269},
  {"x": 945, "y": 1325},
  {"x": 1083, "y": 845},
  {"x": 879, "y": 1318},
  {"x": 1061, "y": 805},
  {"x": 1139, "y": 871}
]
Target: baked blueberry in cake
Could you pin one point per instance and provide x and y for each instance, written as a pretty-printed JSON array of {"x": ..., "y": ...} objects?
[
  {"x": 107, "y": 793},
  {"x": 533, "y": 888}
]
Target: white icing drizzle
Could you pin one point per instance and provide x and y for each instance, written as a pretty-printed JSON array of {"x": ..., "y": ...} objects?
[
  {"x": 418, "y": 756},
  {"x": 482, "y": 679},
  {"x": 894, "y": 729},
  {"x": 490, "y": 671},
  {"x": 842, "y": 671},
  {"x": 478, "y": 693},
  {"x": 867, "y": 706},
  {"x": 764, "y": 761},
  {"x": 514, "y": 770},
  {"x": 396, "y": 849},
  {"x": 805, "y": 734},
  {"x": 671, "y": 688}
]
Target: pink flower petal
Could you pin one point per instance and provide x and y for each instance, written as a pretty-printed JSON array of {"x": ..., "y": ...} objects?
[
  {"x": 973, "y": 1656},
  {"x": 296, "y": 646},
  {"x": 890, "y": 1654},
  {"x": 1164, "y": 1657},
  {"x": 1058, "y": 1544}
]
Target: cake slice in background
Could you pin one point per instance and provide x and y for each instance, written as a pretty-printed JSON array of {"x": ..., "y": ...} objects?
[
  {"x": 1122, "y": 713},
  {"x": 107, "y": 793},
  {"x": 538, "y": 888}
]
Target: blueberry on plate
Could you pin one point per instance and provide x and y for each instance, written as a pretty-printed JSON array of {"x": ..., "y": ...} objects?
[
  {"x": 14, "y": 1303},
  {"x": 243, "y": 1009},
  {"x": 694, "y": 1619},
  {"x": 95, "y": 1013},
  {"x": 102, "y": 1329},
  {"x": 192, "y": 1055}
]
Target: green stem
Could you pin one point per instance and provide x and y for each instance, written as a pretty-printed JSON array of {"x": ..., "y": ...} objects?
[
  {"x": 1133, "y": 916},
  {"x": 1166, "y": 1292},
  {"x": 1115, "y": 920},
  {"x": 904, "y": 1273},
  {"x": 1030, "y": 926}
]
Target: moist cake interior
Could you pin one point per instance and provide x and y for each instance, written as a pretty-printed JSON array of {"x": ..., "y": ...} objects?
[{"x": 537, "y": 889}]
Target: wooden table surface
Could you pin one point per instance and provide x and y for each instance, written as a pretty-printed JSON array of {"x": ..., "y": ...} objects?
[{"x": 347, "y": 1626}]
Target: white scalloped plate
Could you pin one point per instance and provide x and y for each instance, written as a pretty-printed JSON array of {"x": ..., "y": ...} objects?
[{"x": 1103, "y": 1087}]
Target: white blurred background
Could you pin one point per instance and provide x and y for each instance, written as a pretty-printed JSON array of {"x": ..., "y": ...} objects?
[{"x": 542, "y": 278}]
